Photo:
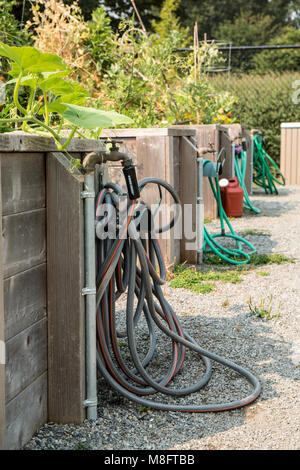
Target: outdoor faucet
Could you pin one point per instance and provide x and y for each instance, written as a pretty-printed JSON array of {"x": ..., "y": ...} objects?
[{"x": 113, "y": 155}]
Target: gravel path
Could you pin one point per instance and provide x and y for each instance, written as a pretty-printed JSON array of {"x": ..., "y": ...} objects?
[{"x": 221, "y": 322}]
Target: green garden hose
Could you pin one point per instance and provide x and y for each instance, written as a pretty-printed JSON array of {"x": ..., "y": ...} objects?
[
  {"x": 266, "y": 172},
  {"x": 240, "y": 166},
  {"x": 211, "y": 246}
]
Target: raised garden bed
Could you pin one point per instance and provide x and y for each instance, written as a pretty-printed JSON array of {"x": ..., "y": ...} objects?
[{"x": 41, "y": 305}]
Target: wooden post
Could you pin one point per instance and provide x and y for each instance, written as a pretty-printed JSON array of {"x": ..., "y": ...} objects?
[
  {"x": 65, "y": 279},
  {"x": 2, "y": 338},
  {"x": 188, "y": 196}
]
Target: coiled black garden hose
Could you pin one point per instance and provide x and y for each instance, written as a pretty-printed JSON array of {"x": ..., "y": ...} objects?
[{"x": 132, "y": 264}]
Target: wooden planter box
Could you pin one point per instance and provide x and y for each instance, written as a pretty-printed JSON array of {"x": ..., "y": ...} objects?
[
  {"x": 290, "y": 152},
  {"x": 42, "y": 310},
  {"x": 165, "y": 154},
  {"x": 162, "y": 153},
  {"x": 218, "y": 137}
]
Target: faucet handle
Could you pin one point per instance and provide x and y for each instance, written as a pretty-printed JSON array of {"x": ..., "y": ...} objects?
[{"x": 114, "y": 142}]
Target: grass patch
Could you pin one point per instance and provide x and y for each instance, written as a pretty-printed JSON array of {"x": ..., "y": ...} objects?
[
  {"x": 204, "y": 281},
  {"x": 207, "y": 220},
  {"x": 255, "y": 260},
  {"x": 274, "y": 258},
  {"x": 201, "y": 282}
]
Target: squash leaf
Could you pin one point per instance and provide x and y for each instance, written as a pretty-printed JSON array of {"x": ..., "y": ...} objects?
[
  {"x": 90, "y": 118},
  {"x": 31, "y": 60}
]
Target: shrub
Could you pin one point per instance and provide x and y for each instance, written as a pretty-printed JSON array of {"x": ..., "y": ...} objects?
[
  {"x": 11, "y": 31},
  {"x": 280, "y": 60},
  {"x": 263, "y": 102},
  {"x": 139, "y": 75}
]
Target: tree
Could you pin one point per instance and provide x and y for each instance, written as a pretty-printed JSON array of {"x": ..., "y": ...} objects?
[
  {"x": 118, "y": 9},
  {"x": 246, "y": 30},
  {"x": 11, "y": 32},
  {"x": 21, "y": 9},
  {"x": 168, "y": 21},
  {"x": 211, "y": 14},
  {"x": 280, "y": 60},
  {"x": 87, "y": 7}
]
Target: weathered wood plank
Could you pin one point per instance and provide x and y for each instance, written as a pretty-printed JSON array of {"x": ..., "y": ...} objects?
[
  {"x": 188, "y": 196},
  {"x": 295, "y": 154},
  {"x": 26, "y": 358},
  {"x": 173, "y": 178},
  {"x": 25, "y": 300},
  {"x": 174, "y": 131},
  {"x": 24, "y": 241},
  {"x": 22, "y": 142},
  {"x": 2, "y": 339},
  {"x": 288, "y": 154},
  {"x": 65, "y": 279},
  {"x": 206, "y": 136},
  {"x": 23, "y": 182},
  {"x": 26, "y": 413},
  {"x": 152, "y": 163}
]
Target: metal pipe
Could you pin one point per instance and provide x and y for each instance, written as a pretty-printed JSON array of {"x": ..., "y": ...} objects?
[
  {"x": 90, "y": 293},
  {"x": 200, "y": 211},
  {"x": 247, "y": 48},
  {"x": 233, "y": 158}
]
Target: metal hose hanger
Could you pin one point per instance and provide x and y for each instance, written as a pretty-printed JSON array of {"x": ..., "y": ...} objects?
[{"x": 132, "y": 264}]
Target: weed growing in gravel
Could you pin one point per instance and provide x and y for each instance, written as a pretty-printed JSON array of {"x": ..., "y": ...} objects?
[
  {"x": 225, "y": 304},
  {"x": 200, "y": 281},
  {"x": 264, "y": 309},
  {"x": 144, "y": 409},
  {"x": 254, "y": 231},
  {"x": 274, "y": 258},
  {"x": 263, "y": 273},
  {"x": 203, "y": 282}
]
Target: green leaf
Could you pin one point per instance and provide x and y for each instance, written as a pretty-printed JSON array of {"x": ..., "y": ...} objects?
[
  {"x": 90, "y": 118},
  {"x": 78, "y": 97},
  {"x": 22, "y": 56},
  {"x": 47, "y": 63},
  {"x": 30, "y": 59},
  {"x": 58, "y": 86},
  {"x": 48, "y": 81}
]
